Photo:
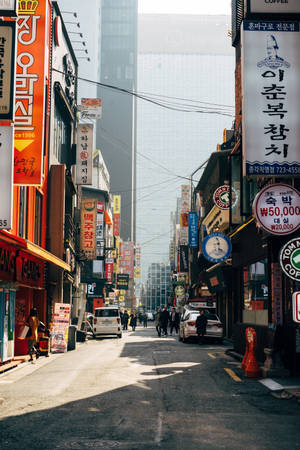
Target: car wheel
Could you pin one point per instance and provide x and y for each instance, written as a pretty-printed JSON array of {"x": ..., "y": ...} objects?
[
  {"x": 94, "y": 336},
  {"x": 119, "y": 335}
]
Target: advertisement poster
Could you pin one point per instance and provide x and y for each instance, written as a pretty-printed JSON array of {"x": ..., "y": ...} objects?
[{"x": 60, "y": 328}]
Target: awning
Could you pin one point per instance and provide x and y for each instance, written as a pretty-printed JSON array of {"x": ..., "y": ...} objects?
[{"x": 47, "y": 256}]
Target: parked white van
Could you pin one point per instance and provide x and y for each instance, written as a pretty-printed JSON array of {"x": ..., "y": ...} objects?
[{"x": 107, "y": 321}]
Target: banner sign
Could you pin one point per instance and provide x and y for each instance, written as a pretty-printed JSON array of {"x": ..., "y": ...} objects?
[
  {"x": 275, "y": 6},
  {"x": 183, "y": 258},
  {"x": 185, "y": 198},
  {"x": 6, "y": 176},
  {"x": 277, "y": 209},
  {"x": 84, "y": 154},
  {"x": 193, "y": 230},
  {"x": 88, "y": 227},
  {"x": 90, "y": 108},
  {"x": 117, "y": 204},
  {"x": 100, "y": 233},
  {"x": 126, "y": 258},
  {"x": 109, "y": 269},
  {"x": 60, "y": 328},
  {"x": 9, "y": 8},
  {"x": 32, "y": 49},
  {"x": 271, "y": 98},
  {"x": 216, "y": 247},
  {"x": 116, "y": 224},
  {"x": 289, "y": 259},
  {"x": 7, "y": 73},
  {"x": 122, "y": 281}
]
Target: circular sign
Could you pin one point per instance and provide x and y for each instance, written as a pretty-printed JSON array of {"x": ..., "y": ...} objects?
[
  {"x": 289, "y": 259},
  {"x": 221, "y": 197},
  {"x": 277, "y": 209},
  {"x": 179, "y": 290},
  {"x": 216, "y": 247}
]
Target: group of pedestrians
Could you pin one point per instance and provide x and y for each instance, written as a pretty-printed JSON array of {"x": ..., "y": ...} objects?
[
  {"x": 128, "y": 319},
  {"x": 165, "y": 319}
]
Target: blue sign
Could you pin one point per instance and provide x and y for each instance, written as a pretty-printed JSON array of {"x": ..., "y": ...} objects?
[
  {"x": 216, "y": 247},
  {"x": 193, "y": 230}
]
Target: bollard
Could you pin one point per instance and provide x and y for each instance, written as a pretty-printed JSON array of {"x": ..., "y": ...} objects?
[{"x": 252, "y": 369}]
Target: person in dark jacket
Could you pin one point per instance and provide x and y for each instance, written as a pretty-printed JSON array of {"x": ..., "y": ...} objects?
[
  {"x": 125, "y": 320},
  {"x": 133, "y": 320},
  {"x": 157, "y": 322},
  {"x": 201, "y": 323},
  {"x": 174, "y": 321},
  {"x": 164, "y": 320}
]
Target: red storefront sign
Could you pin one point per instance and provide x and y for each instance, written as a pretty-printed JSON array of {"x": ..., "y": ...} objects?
[
  {"x": 7, "y": 262},
  {"x": 109, "y": 268},
  {"x": 29, "y": 270},
  {"x": 32, "y": 48},
  {"x": 116, "y": 224}
]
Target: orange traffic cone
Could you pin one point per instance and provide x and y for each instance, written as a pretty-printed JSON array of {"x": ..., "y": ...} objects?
[
  {"x": 244, "y": 361},
  {"x": 252, "y": 369}
]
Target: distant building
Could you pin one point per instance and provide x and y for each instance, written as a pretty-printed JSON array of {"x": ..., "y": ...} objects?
[
  {"x": 190, "y": 58},
  {"x": 157, "y": 289}
]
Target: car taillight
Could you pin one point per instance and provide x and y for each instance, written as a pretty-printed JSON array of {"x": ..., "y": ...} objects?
[
  {"x": 95, "y": 320},
  {"x": 118, "y": 319},
  {"x": 191, "y": 324}
]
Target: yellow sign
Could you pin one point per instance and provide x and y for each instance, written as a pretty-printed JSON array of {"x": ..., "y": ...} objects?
[
  {"x": 121, "y": 298},
  {"x": 216, "y": 220},
  {"x": 137, "y": 272},
  {"x": 117, "y": 204},
  {"x": 122, "y": 292}
]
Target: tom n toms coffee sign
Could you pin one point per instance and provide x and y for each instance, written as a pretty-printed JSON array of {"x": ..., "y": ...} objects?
[
  {"x": 275, "y": 6},
  {"x": 277, "y": 209},
  {"x": 289, "y": 259},
  {"x": 221, "y": 197}
]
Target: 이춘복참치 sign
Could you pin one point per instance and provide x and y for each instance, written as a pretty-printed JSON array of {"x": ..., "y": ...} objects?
[
  {"x": 289, "y": 259},
  {"x": 277, "y": 209},
  {"x": 271, "y": 97}
]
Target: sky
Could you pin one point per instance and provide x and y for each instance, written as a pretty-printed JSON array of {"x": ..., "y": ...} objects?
[{"x": 185, "y": 7}]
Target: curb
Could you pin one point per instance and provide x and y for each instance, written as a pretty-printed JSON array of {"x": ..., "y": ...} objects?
[{"x": 231, "y": 352}]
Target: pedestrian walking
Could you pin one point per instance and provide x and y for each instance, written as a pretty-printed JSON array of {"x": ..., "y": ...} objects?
[
  {"x": 201, "y": 323},
  {"x": 174, "y": 321},
  {"x": 125, "y": 320},
  {"x": 33, "y": 323},
  {"x": 145, "y": 320},
  {"x": 133, "y": 320},
  {"x": 122, "y": 317},
  {"x": 164, "y": 320},
  {"x": 141, "y": 316},
  {"x": 157, "y": 322}
]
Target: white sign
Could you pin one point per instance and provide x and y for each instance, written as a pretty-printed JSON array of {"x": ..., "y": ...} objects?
[
  {"x": 296, "y": 307},
  {"x": 8, "y": 7},
  {"x": 91, "y": 108},
  {"x": 84, "y": 154},
  {"x": 271, "y": 98},
  {"x": 6, "y": 176},
  {"x": 277, "y": 208},
  {"x": 7, "y": 72},
  {"x": 275, "y": 6}
]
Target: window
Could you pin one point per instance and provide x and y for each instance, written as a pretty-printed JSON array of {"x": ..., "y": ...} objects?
[
  {"x": 256, "y": 293},
  {"x": 23, "y": 198},
  {"x": 38, "y": 217},
  {"x": 106, "y": 312},
  {"x": 62, "y": 135}
]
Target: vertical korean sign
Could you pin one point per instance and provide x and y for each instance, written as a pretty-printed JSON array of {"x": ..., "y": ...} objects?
[
  {"x": 100, "y": 229},
  {"x": 84, "y": 154},
  {"x": 109, "y": 269},
  {"x": 6, "y": 176},
  {"x": 116, "y": 215},
  {"x": 193, "y": 230},
  {"x": 271, "y": 98},
  {"x": 88, "y": 227},
  {"x": 60, "y": 328},
  {"x": 7, "y": 72},
  {"x": 30, "y": 92}
]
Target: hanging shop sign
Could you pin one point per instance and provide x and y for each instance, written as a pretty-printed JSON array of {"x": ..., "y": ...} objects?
[
  {"x": 216, "y": 247},
  {"x": 216, "y": 220},
  {"x": 88, "y": 227},
  {"x": 84, "y": 154},
  {"x": 7, "y": 73},
  {"x": 32, "y": 63},
  {"x": 193, "y": 230},
  {"x": 99, "y": 232},
  {"x": 109, "y": 269},
  {"x": 117, "y": 204},
  {"x": 183, "y": 258},
  {"x": 9, "y": 8},
  {"x": 274, "y": 6},
  {"x": 289, "y": 259},
  {"x": 122, "y": 281},
  {"x": 296, "y": 306},
  {"x": 6, "y": 176},
  {"x": 221, "y": 197},
  {"x": 91, "y": 108},
  {"x": 277, "y": 209},
  {"x": 271, "y": 98}
]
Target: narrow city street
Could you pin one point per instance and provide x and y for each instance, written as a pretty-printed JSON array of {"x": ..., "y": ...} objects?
[{"x": 142, "y": 392}]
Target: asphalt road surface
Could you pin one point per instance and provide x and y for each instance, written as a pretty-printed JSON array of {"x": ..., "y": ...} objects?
[{"x": 142, "y": 392}]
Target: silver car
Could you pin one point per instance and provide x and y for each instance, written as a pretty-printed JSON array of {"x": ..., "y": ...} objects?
[{"x": 214, "y": 328}]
